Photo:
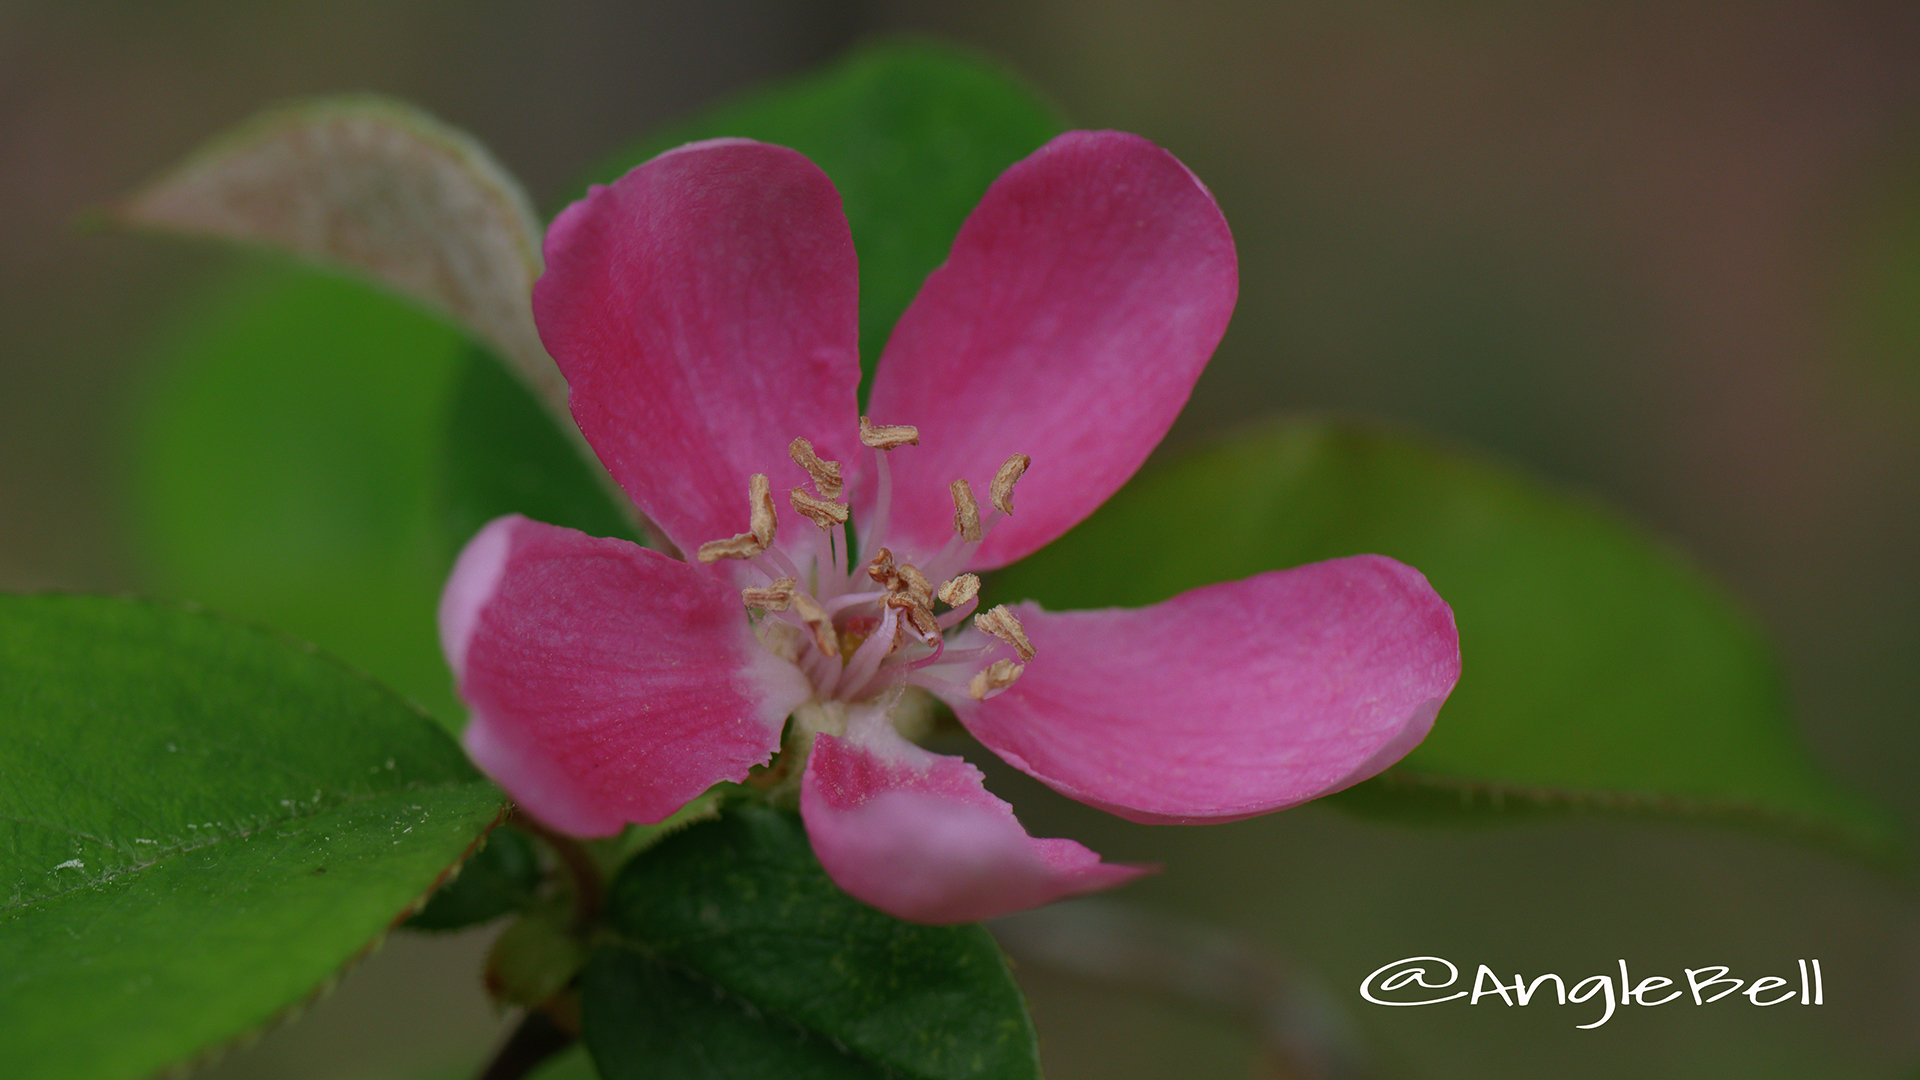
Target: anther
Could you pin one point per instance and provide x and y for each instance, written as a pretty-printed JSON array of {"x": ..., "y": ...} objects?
[
  {"x": 775, "y": 597},
  {"x": 761, "y": 527},
  {"x": 818, "y": 621},
  {"x": 916, "y": 585},
  {"x": 888, "y": 436},
  {"x": 882, "y": 570},
  {"x": 826, "y": 474},
  {"x": 918, "y": 614},
  {"x": 1001, "y": 624},
  {"x": 995, "y": 676},
  {"x": 960, "y": 589},
  {"x": 966, "y": 512},
  {"x": 760, "y": 497},
  {"x": 903, "y": 580},
  {"x": 1000, "y": 493},
  {"x": 824, "y": 513},
  {"x": 743, "y": 546}
]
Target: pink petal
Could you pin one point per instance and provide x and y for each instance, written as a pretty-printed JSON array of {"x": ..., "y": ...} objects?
[
  {"x": 1230, "y": 700},
  {"x": 703, "y": 311},
  {"x": 608, "y": 683},
  {"x": 916, "y": 835},
  {"x": 1082, "y": 298}
]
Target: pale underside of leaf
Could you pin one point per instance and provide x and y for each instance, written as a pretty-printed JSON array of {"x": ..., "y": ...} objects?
[{"x": 384, "y": 191}]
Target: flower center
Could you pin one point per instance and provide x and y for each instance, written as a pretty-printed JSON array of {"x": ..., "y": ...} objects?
[{"x": 860, "y": 629}]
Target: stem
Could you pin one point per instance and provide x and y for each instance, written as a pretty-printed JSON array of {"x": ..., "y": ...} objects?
[
  {"x": 537, "y": 1038},
  {"x": 589, "y": 888}
]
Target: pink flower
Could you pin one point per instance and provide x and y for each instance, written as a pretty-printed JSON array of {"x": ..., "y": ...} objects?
[{"x": 702, "y": 310}]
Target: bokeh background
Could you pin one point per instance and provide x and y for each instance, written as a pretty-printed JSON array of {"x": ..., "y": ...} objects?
[{"x": 1667, "y": 254}]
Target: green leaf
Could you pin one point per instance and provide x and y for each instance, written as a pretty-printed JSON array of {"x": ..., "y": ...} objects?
[
  {"x": 500, "y": 878},
  {"x": 911, "y": 134},
  {"x": 1600, "y": 670},
  {"x": 200, "y": 823},
  {"x": 739, "y": 957},
  {"x": 504, "y": 455},
  {"x": 284, "y": 467}
]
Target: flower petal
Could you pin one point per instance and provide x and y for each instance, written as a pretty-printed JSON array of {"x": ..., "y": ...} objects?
[
  {"x": 1229, "y": 700},
  {"x": 703, "y": 311},
  {"x": 1081, "y": 301},
  {"x": 608, "y": 683},
  {"x": 916, "y": 835}
]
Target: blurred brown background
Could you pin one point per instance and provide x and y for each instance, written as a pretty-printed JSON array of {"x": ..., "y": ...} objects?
[{"x": 1668, "y": 254}]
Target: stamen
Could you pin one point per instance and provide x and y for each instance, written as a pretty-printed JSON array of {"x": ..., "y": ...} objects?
[
  {"x": 888, "y": 436},
  {"x": 841, "y": 603},
  {"x": 919, "y": 615},
  {"x": 958, "y": 551},
  {"x": 824, "y": 578},
  {"x": 1001, "y": 624},
  {"x": 1000, "y": 493},
  {"x": 960, "y": 589},
  {"x": 966, "y": 512},
  {"x": 888, "y": 637},
  {"x": 938, "y": 644},
  {"x": 917, "y": 585},
  {"x": 959, "y": 615},
  {"x": 843, "y": 541},
  {"x": 995, "y": 676},
  {"x": 760, "y": 497},
  {"x": 933, "y": 683},
  {"x": 882, "y": 570},
  {"x": 826, "y": 474},
  {"x": 775, "y": 597},
  {"x": 818, "y": 621},
  {"x": 824, "y": 513},
  {"x": 761, "y": 527},
  {"x": 957, "y": 656},
  {"x": 882, "y": 499},
  {"x": 774, "y": 563},
  {"x": 741, "y": 546}
]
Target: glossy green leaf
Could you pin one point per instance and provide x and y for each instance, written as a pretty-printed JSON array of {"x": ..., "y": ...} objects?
[
  {"x": 911, "y": 135},
  {"x": 738, "y": 957},
  {"x": 284, "y": 467},
  {"x": 200, "y": 823},
  {"x": 1600, "y": 670},
  {"x": 500, "y": 878}
]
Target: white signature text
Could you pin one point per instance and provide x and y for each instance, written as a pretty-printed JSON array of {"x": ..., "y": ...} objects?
[{"x": 1418, "y": 980}]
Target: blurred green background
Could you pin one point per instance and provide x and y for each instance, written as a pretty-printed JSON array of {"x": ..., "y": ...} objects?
[{"x": 1665, "y": 254}]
